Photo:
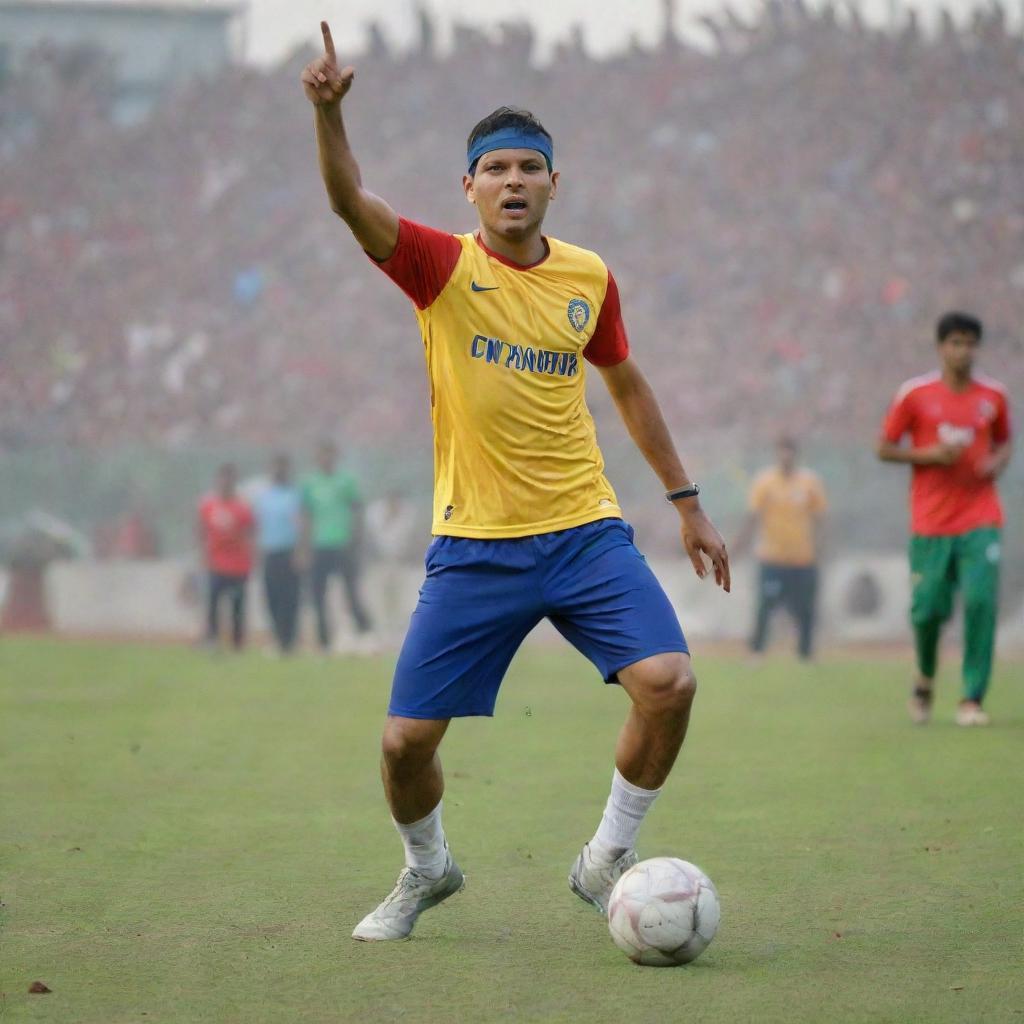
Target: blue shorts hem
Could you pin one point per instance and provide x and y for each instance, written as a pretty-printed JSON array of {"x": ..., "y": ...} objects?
[
  {"x": 611, "y": 678},
  {"x": 443, "y": 713}
]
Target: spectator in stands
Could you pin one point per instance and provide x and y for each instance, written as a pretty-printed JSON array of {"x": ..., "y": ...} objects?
[
  {"x": 332, "y": 534},
  {"x": 835, "y": 181},
  {"x": 279, "y": 517},
  {"x": 786, "y": 504},
  {"x": 224, "y": 528}
]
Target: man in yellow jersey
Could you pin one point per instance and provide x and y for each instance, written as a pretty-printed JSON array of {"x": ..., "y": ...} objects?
[
  {"x": 525, "y": 524},
  {"x": 787, "y": 504}
]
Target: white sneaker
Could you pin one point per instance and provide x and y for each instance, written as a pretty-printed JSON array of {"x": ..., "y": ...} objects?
[
  {"x": 413, "y": 893},
  {"x": 969, "y": 713},
  {"x": 593, "y": 880}
]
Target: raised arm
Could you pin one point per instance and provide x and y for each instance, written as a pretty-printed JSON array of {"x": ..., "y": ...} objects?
[
  {"x": 640, "y": 412},
  {"x": 373, "y": 223}
]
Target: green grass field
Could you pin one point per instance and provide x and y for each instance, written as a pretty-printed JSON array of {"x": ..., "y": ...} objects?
[{"x": 192, "y": 839}]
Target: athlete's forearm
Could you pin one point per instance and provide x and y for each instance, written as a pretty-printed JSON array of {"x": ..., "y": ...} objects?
[
  {"x": 889, "y": 452},
  {"x": 642, "y": 416},
  {"x": 371, "y": 220},
  {"x": 1001, "y": 457},
  {"x": 998, "y": 460},
  {"x": 338, "y": 166},
  {"x": 641, "y": 413}
]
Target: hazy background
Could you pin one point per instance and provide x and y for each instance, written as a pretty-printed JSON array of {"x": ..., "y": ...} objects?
[
  {"x": 789, "y": 197},
  {"x": 275, "y": 26}
]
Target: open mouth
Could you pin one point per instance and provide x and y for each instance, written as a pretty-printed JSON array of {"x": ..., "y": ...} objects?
[{"x": 512, "y": 205}]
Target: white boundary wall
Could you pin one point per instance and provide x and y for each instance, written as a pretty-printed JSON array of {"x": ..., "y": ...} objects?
[{"x": 149, "y": 599}]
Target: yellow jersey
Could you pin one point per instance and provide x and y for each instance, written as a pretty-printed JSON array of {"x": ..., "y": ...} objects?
[
  {"x": 787, "y": 508},
  {"x": 515, "y": 446}
]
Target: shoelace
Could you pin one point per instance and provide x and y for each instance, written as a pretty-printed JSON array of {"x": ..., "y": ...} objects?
[
  {"x": 400, "y": 888},
  {"x": 627, "y": 860}
]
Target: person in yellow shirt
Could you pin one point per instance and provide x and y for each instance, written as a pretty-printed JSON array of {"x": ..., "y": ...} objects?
[
  {"x": 786, "y": 505},
  {"x": 525, "y": 524}
]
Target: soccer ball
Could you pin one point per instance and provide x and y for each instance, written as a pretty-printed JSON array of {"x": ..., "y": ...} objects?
[{"x": 663, "y": 911}]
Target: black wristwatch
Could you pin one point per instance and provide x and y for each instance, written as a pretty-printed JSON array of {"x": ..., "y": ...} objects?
[{"x": 691, "y": 490}]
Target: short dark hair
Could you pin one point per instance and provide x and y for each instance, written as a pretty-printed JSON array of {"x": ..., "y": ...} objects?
[
  {"x": 506, "y": 117},
  {"x": 957, "y": 323}
]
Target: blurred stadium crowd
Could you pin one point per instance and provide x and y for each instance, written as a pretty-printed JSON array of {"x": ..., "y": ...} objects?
[{"x": 786, "y": 214}]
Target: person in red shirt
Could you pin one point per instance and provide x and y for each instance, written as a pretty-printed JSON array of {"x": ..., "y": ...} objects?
[
  {"x": 959, "y": 428},
  {"x": 225, "y": 528}
]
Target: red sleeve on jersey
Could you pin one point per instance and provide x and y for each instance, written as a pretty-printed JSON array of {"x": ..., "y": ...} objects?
[
  {"x": 1001, "y": 424},
  {"x": 422, "y": 262},
  {"x": 608, "y": 344},
  {"x": 897, "y": 420}
]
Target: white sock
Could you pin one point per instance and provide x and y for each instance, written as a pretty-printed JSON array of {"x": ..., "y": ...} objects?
[
  {"x": 424, "y": 844},
  {"x": 623, "y": 814}
]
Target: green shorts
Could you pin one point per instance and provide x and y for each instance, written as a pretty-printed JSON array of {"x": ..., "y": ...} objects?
[{"x": 940, "y": 565}]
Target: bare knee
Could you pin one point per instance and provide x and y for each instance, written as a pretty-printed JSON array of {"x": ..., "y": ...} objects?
[
  {"x": 677, "y": 694},
  {"x": 410, "y": 743},
  {"x": 664, "y": 685}
]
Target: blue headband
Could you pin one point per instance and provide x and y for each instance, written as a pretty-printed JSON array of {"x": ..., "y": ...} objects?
[{"x": 512, "y": 138}]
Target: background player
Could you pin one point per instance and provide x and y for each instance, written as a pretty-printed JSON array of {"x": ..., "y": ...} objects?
[
  {"x": 331, "y": 544},
  {"x": 224, "y": 528},
  {"x": 959, "y": 427},
  {"x": 787, "y": 506},
  {"x": 278, "y": 509},
  {"x": 526, "y": 525}
]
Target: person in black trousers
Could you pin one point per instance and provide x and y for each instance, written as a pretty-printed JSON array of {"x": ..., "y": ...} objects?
[
  {"x": 224, "y": 529},
  {"x": 787, "y": 505},
  {"x": 332, "y": 542},
  {"x": 279, "y": 516}
]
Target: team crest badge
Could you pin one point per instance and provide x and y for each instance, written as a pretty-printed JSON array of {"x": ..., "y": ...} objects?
[{"x": 579, "y": 315}]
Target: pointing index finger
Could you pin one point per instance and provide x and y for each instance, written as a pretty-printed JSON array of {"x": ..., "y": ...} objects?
[{"x": 328, "y": 41}]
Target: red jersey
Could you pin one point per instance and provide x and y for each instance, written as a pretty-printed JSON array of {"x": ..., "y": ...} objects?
[
  {"x": 227, "y": 526},
  {"x": 949, "y": 500}
]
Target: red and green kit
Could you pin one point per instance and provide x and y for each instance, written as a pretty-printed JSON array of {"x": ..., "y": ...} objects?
[{"x": 955, "y": 516}]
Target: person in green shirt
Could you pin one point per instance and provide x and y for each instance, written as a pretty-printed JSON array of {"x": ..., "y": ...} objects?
[{"x": 331, "y": 539}]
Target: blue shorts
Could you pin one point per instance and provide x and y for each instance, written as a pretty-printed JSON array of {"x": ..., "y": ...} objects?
[{"x": 481, "y": 598}]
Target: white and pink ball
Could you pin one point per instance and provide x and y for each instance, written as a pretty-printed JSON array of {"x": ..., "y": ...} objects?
[{"x": 663, "y": 912}]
